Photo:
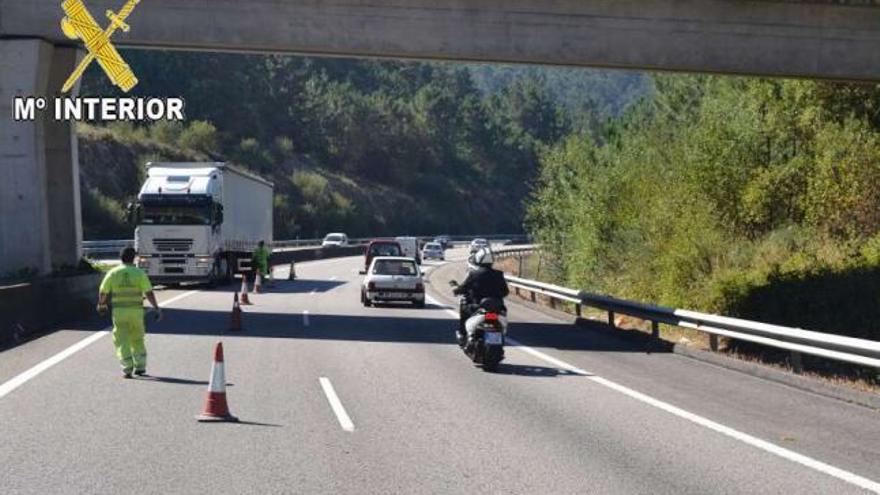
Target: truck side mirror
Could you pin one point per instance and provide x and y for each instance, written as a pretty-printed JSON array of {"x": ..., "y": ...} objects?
[{"x": 131, "y": 213}]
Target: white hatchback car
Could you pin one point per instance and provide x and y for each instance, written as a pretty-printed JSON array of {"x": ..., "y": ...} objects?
[
  {"x": 336, "y": 239},
  {"x": 478, "y": 244},
  {"x": 393, "y": 279},
  {"x": 433, "y": 250}
]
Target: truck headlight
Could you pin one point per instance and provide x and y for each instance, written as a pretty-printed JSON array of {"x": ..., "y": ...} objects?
[
  {"x": 204, "y": 261},
  {"x": 143, "y": 262}
]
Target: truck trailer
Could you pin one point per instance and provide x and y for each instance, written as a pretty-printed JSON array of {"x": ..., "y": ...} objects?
[{"x": 200, "y": 222}]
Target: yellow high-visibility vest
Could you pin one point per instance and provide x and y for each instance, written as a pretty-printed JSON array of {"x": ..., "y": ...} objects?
[{"x": 126, "y": 286}]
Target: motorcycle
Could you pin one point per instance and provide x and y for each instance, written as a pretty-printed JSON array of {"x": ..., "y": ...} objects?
[{"x": 485, "y": 330}]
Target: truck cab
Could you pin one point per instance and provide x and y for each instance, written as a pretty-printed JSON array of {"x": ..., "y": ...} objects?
[{"x": 185, "y": 229}]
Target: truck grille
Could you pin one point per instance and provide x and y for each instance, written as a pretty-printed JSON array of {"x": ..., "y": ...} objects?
[{"x": 173, "y": 245}]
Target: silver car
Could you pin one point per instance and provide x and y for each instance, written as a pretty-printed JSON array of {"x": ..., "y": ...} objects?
[
  {"x": 433, "y": 250},
  {"x": 478, "y": 244}
]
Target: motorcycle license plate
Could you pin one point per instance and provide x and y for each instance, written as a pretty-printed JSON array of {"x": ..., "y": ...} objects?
[{"x": 493, "y": 338}]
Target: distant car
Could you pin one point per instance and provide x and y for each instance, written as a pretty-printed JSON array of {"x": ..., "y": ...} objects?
[
  {"x": 410, "y": 247},
  {"x": 393, "y": 279},
  {"x": 380, "y": 247},
  {"x": 443, "y": 240},
  {"x": 335, "y": 239},
  {"x": 433, "y": 250},
  {"x": 477, "y": 244}
]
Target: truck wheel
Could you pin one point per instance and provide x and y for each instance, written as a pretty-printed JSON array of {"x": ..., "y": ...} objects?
[
  {"x": 214, "y": 276},
  {"x": 225, "y": 270}
]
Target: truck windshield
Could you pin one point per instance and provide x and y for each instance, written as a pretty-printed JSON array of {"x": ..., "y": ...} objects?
[{"x": 176, "y": 215}]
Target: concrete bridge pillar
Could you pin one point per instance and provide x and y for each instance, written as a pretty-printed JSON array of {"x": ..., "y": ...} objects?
[{"x": 40, "y": 218}]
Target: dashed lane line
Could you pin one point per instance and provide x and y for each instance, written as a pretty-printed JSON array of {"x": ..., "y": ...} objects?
[
  {"x": 39, "y": 368},
  {"x": 756, "y": 442},
  {"x": 336, "y": 405}
]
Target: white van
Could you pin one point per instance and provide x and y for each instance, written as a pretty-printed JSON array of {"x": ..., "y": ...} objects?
[{"x": 410, "y": 247}]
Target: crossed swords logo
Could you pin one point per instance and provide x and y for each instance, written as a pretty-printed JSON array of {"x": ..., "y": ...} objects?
[{"x": 79, "y": 24}]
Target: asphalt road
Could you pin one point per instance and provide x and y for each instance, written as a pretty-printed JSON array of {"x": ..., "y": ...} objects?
[{"x": 570, "y": 411}]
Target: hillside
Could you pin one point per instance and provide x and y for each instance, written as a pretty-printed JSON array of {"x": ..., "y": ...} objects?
[
  {"x": 309, "y": 201},
  {"x": 748, "y": 197},
  {"x": 367, "y": 147}
]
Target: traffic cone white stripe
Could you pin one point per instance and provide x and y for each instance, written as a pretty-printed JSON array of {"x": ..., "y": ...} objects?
[
  {"x": 216, "y": 407},
  {"x": 218, "y": 378}
]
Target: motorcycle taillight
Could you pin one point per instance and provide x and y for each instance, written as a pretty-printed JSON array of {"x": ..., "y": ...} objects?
[{"x": 491, "y": 316}]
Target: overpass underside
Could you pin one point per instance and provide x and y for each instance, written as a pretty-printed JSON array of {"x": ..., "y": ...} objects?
[{"x": 39, "y": 194}]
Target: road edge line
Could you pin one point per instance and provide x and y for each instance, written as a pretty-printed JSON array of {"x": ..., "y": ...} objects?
[
  {"x": 34, "y": 371},
  {"x": 770, "y": 448}
]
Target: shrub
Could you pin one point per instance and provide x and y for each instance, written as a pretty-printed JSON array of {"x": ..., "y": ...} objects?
[{"x": 199, "y": 136}]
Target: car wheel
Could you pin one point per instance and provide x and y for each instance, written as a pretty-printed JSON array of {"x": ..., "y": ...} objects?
[{"x": 365, "y": 301}]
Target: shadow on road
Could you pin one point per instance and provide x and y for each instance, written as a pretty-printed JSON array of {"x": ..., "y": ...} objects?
[
  {"x": 242, "y": 423},
  {"x": 302, "y": 285},
  {"x": 374, "y": 328},
  {"x": 175, "y": 381},
  {"x": 535, "y": 371}
]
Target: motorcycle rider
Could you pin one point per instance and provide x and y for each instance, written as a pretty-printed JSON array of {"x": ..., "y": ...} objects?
[{"x": 480, "y": 283}]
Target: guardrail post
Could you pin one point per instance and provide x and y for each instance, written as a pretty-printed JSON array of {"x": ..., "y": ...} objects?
[
  {"x": 577, "y": 310},
  {"x": 520, "y": 272},
  {"x": 713, "y": 342},
  {"x": 797, "y": 362},
  {"x": 552, "y": 303},
  {"x": 533, "y": 297},
  {"x": 655, "y": 329},
  {"x": 611, "y": 319}
]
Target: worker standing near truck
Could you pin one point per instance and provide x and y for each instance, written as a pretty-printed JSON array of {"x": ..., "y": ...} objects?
[
  {"x": 261, "y": 259},
  {"x": 125, "y": 287}
]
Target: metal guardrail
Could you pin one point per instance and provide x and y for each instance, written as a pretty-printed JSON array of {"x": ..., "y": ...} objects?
[
  {"x": 796, "y": 340},
  {"x": 112, "y": 247},
  {"x": 92, "y": 248}
]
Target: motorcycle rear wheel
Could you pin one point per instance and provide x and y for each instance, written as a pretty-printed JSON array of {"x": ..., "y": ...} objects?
[{"x": 492, "y": 357}]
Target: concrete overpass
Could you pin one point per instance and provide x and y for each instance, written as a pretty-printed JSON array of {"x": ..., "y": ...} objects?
[{"x": 834, "y": 39}]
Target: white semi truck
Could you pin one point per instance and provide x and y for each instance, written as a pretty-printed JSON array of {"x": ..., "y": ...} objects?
[{"x": 200, "y": 221}]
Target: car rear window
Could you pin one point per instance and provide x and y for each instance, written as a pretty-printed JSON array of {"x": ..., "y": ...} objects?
[
  {"x": 335, "y": 238},
  {"x": 385, "y": 250},
  {"x": 395, "y": 267},
  {"x": 432, "y": 246}
]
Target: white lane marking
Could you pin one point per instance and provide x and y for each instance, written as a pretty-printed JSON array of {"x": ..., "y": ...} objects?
[
  {"x": 445, "y": 307},
  {"x": 313, "y": 292},
  {"x": 35, "y": 370},
  {"x": 336, "y": 404},
  {"x": 177, "y": 298},
  {"x": 23, "y": 378},
  {"x": 306, "y": 317},
  {"x": 333, "y": 279},
  {"x": 756, "y": 442}
]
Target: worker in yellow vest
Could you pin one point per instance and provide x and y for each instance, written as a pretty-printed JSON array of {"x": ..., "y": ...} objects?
[
  {"x": 261, "y": 259},
  {"x": 125, "y": 287}
]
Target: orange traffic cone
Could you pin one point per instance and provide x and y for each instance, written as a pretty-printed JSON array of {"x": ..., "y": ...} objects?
[
  {"x": 258, "y": 284},
  {"x": 244, "y": 289},
  {"x": 216, "y": 408},
  {"x": 235, "y": 317}
]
